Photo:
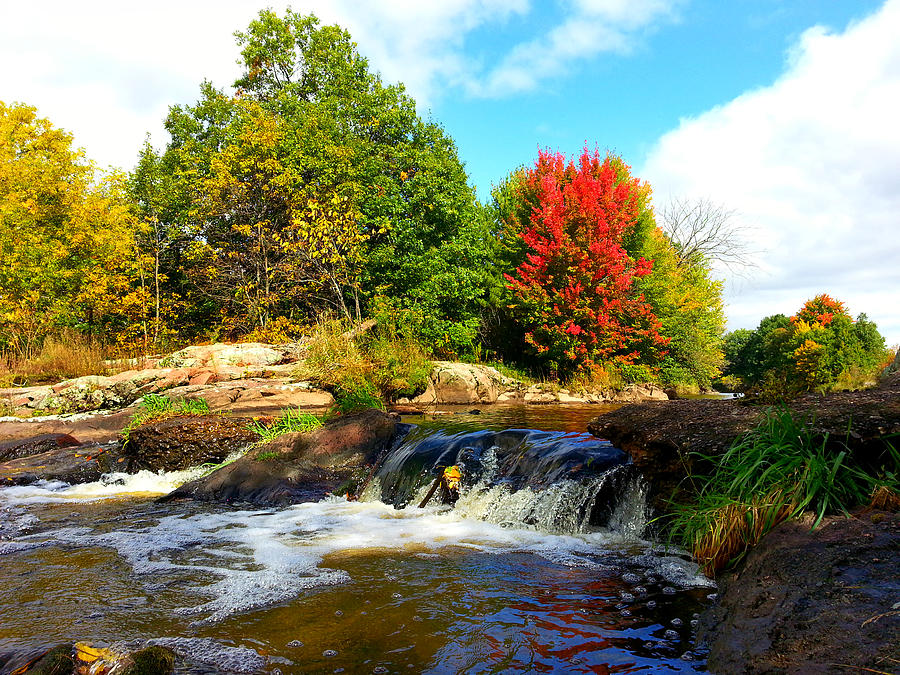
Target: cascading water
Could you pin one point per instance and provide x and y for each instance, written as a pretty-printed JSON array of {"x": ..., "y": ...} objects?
[
  {"x": 540, "y": 566},
  {"x": 552, "y": 481}
]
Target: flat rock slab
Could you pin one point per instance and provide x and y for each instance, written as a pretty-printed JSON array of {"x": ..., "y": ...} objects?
[
  {"x": 300, "y": 467},
  {"x": 80, "y": 464},
  {"x": 85, "y": 427},
  {"x": 179, "y": 443},
  {"x": 803, "y": 601}
]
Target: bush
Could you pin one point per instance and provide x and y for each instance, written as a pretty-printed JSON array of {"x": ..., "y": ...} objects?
[
  {"x": 385, "y": 364},
  {"x": 291, "y": 420}
]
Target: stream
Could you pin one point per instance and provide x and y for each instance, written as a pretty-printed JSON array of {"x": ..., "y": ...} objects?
[{"x": 544, "y": 564}]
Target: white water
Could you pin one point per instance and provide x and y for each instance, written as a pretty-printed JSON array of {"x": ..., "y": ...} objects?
[{"x": 262, "y": 557}]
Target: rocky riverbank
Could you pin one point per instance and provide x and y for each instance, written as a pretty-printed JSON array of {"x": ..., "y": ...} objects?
[
  {"x": 251, "y": 380},
  {"x": 803, "y": 600}
]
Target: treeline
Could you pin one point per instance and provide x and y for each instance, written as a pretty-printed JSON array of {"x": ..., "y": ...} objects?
[
  {"x": 316, "y": 189},
  {"x": 819, "y": 348}
]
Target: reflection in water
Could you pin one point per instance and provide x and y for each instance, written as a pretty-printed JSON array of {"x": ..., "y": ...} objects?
[{"x": 488, "y": 587}]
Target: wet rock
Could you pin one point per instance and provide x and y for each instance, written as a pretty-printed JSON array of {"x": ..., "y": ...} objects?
[
  {"x": 35, "y": 445},
  {"x": 181, "y": 442},
  {"x": 57, "y": 661},
  {"x": 803, "y": 601},
  {"x": 300, "y": 467},
  {"x": 79, "y": 464},
  {"x": 155, "y": 660}
]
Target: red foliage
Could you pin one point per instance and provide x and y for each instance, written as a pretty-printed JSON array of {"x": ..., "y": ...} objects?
[
  {"x": 576, "y": 283},
  {"x": 821, "y": 309}
]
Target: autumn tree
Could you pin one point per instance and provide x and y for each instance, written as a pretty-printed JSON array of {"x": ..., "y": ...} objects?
[
  {"x": 819, "y": 348},
  {"x": 574, "y": 293},
  {"x": 317, "y": 185},
  {"x": 66, "y": 236}
]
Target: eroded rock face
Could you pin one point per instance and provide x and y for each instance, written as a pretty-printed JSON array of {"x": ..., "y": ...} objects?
[
  {"x": 300, "y": 467},
  {"x": 805, "y": 601},
  {"x": 182, "y": 442}
]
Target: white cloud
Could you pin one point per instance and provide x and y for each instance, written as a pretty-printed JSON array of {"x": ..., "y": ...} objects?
[
  {"x": 107, "y": 70},
  {"x": 812, "y": 164}
]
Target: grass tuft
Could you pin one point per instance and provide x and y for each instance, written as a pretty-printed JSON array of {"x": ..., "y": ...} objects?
[
  {"x": 776, "y": 472},
  {"x": 156, "y": 407},
  {"x": 290, "y": 421}
]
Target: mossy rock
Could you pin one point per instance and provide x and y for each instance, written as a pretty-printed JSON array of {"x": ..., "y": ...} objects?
[
  {"x": 151, "y": 661},
  {"x": 58, "y": 661}
]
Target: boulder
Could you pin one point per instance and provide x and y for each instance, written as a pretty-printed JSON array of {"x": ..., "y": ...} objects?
[
  {"x": 812, "y": 601},
  {"x": 464, "y": 383},
  {"x": 179, "y": 443},
  {"x": 300, "y": 467},
  {"x": 79, "y": 464}
]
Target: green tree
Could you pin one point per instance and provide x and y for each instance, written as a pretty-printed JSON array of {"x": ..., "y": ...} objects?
[{"x": 343, "y": 151}]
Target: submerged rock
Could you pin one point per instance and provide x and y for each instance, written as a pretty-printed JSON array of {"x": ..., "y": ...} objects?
[
  {"x": 178, "y": 443},
  {"x": 812, "y": 601},
  {"x": 300, "y": 467}
]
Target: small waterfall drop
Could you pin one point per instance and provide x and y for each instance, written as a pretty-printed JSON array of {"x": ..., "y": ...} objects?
[{"x": 554, "y": 482}]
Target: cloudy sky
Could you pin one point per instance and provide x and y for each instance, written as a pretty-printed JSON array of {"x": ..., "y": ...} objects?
[{"x": 783, "y": 111}]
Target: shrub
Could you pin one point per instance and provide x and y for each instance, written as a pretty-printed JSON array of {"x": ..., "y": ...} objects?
[{"x": 156, "y": 407}]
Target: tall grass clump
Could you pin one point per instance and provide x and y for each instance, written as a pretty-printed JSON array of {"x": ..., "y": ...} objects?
[
  {"x": 291, "y": 420},
  {"x": 66, "y": 355},
  {"x": 156, "y": 407},
  {"x": 776, "y": 472},
  {"x": 366, "y": 369}
]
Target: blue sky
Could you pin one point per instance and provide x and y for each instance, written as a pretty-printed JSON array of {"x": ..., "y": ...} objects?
[{"x": 782, "y": 112}]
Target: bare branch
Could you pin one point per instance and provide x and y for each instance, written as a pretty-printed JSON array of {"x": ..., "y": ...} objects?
[{"x": 702, "y": 230}]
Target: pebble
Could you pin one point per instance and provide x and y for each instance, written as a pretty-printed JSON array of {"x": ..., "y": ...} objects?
[
  {"x": 640, "y": 590},
  {"x": 626, "y": 597},
  {"x": 338, "y": 613}
]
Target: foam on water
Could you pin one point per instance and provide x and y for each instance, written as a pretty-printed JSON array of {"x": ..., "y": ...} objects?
[
  {"x": 265, "y": 557},
  {"x": 111, "y": 485}
]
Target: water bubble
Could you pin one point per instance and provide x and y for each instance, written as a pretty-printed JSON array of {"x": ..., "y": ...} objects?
[
  {"x": 295, "y": 643},
  {"x": 651, "y": 604},
  {"x": 626, "y": 612},
  {"x": 329, "y": 653},
  {"x": 712, "y": 596},
  {"x": 687, "y": 656},
  {"x": 671, "y": 634},
  {"x": 396, "y": 595},
  {"x": 417, "y": 618},
  {"x": 640, "y": 590},
  {"x": 626, "y": 597},
  {"x": 380, "y": 669},
  {"x": 668, "y": 590},
  {"x": 695, "y": 615},
  {"x": 363, "y": 613},
  {"x": 695, "y": 623},
  {"x": 649, "y": 645},
  {"x": 630, "y": 578},
  {"x": 621, "y": 605},
  {"x": 338, "y": 612},
  {"x": 676, "y": 622}
]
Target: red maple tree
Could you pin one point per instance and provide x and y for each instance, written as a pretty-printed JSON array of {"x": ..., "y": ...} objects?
[{"x": 575, "y": 289}]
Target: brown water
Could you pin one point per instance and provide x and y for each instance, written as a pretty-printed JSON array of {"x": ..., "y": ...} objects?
[{"x": 347, "y": 587}]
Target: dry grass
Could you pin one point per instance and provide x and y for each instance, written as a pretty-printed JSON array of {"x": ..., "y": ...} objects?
[{"x": 65, "y": 356}]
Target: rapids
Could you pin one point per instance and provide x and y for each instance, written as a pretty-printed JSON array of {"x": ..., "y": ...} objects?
[{"x": 541, "y": 566}]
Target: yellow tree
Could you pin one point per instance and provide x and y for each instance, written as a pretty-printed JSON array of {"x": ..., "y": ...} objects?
[{"x": 65, "y": 237}]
